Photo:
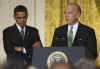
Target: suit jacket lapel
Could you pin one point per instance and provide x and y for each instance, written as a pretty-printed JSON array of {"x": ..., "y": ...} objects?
[
  {"x": 26, "y": 33},
  {"x": 65, "y": 32},
  {"x": 77, "y": 34},
  {"x": 17, "y": 33}
]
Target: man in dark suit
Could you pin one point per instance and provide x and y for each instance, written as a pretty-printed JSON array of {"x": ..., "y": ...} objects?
[
  {"x": 75, "y": 34},
  {"x": 19, "y": 39}
]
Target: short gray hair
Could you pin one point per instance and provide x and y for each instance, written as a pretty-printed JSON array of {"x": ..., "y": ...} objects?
[
  {"x": 71, "y": 66},
  {"x": 84, "y": 63},
  {"x": 32, "y": 67},
  {"x": 77, "y": 6}
]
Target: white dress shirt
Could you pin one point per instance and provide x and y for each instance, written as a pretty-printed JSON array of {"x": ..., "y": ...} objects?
[
  {"x": 75, "y": 28},
  {"x": 19, "y": 28}
]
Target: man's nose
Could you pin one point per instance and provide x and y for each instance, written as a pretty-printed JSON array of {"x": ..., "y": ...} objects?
[
  {"x": 67, "y": 16},
  {"x": 22, "y": 19}
]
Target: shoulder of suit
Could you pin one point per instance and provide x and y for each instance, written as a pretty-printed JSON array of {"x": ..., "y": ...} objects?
[
  {"x": 86, "y": 27},
  {"x": 62, "y": 27},
  {"x": 32, "y": 28},
  {"x": 8, "y": 28}
]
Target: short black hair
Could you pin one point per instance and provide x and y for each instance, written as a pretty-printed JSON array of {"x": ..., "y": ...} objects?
[{"x": 20, "y": 8}]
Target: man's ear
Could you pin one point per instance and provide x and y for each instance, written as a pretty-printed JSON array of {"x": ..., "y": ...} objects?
[{"x": 78, "y": 15}]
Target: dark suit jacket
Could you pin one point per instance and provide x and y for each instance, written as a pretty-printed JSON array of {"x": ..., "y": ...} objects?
[
  {"x": 13, "y": 38},
  {"x": 85, "y": 37}
]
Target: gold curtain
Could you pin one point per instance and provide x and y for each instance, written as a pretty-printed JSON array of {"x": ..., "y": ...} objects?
[{"x": 54, "y": 17}]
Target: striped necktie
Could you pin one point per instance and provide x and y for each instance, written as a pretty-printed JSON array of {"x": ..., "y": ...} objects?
[{"x": 22, "y": 32}]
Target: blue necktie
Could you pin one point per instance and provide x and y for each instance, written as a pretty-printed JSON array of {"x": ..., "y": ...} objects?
[{"x": 22, "y": 32}]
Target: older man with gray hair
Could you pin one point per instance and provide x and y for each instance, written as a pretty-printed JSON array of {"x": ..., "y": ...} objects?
[
  {"x": 84, "y": 63},
  {"x": 62, "y": 65}
]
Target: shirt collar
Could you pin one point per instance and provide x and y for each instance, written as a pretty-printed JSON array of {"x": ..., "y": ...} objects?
[
  {"x": 19, "y": 27},
  {"x": 74, "y": 26}
]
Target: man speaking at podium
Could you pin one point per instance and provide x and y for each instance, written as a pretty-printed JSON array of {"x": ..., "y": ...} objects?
[{"x": 75, "y": 34}]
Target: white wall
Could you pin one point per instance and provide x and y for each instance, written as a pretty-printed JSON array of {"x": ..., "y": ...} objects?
[{"x": 36, "y": 17}]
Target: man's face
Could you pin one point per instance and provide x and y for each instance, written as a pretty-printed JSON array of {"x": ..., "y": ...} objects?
[
  {"x": 61, "y": 66},
  {"x": 72, "y": 14},
  {"x": 21, "y": 18}
]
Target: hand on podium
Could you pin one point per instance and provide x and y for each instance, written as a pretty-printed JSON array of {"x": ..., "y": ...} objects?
[{"x": 37, "y": 44}]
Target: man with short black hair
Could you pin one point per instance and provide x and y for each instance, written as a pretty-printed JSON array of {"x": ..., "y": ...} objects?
[{"x": 20, "y": 39}]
